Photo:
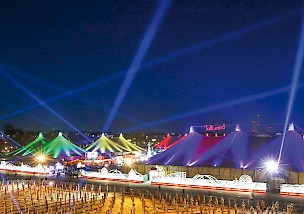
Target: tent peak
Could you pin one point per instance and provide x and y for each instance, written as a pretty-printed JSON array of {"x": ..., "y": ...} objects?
[
  {"x": 60, "y": 134},
  {"x": 40, "y": 134},
  {"x": 291, "y": 127},
  {"x": 237, "y": 128},
  {"x": 191, "y": 129}
]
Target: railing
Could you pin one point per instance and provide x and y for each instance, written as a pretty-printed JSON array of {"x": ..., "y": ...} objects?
[
  {"x": 244, "y": 184},
  {"x": 114, "y": 175}
]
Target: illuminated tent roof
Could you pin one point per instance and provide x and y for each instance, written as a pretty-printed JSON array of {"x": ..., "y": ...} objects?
[
  {"x": 187, "y": 152},
  {"x": 236, "y": 150},
  {"x": 168, "y": 142},
  {"x": 199, "y": 150},
  {"x": 292, "y": 156},
  {"x": 61, "y": 146},
  {"x": 35, "y": 147},
  {"x": 164, "y": 143},
  {"x": 130, "y": 147},
  {"x": 227, "y": 151},
  {"x": 104, "y": 144}
]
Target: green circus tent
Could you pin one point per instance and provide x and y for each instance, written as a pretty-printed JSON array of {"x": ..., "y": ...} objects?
[
  {"x": 130, "y": 147},
  {"x": 34, "y": 148},
  {"x": 61, "y": 146},
  {"x": 104, "y": 144}
]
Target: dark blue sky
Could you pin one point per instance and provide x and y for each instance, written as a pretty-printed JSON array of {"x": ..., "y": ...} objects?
[{"x": 205, "y": 54}]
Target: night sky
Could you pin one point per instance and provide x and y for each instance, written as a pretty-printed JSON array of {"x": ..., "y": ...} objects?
[{"x": 72, "y": 56}]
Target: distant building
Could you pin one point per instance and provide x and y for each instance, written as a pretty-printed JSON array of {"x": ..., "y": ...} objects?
[{"x": 257, "y": 125}]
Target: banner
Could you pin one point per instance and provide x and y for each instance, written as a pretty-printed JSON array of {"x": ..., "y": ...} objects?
[{"x": 215, "y": 127}]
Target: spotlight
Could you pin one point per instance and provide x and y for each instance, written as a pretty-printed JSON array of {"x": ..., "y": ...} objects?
[
  {"x": 40, "y": 158},
  {"x": 128, "y": 161},
  {"x": 271, "y": 166}
]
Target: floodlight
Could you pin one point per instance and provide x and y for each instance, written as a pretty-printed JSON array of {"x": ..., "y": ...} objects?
[
  {"x": 128, "y": 161},
  {"x": 40, "y": 158},
  {"x": 271, "y": 166}
]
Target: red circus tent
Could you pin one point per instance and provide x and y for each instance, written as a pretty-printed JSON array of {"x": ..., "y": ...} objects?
[
  {"x": 168, "y": 142},
  {"x": 186, "y": 152}
]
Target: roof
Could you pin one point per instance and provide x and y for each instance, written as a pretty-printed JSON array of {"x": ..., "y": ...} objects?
[
  {"x": 33, "y": 148},
  {"x": 61, "y": 146},
  {"x": 168, "y": 142},
  {"x": 235, "y": 150},
  {"x": 128, "y": 146},
  {"x": 104, "y": 144}
]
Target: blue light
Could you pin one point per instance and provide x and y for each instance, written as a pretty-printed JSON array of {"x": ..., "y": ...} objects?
[
  {"x": 219, "y": 106},
  {"x": 138, "y": 59},
  {"x": 222, "y": 38},
  {"x": 294, "y": 82},
  {"x": 33, "y": 96},
  {"x": 162, "y": 59},
  {"x": 64, "y": 93}
]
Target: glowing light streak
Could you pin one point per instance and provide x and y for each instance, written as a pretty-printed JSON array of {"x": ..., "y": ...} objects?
[
  {"x": 162, "y": 59},
  {"x": 38, "y": 100},
  {"x": 227, "y": 146},
  {"x": 181, "y": 153},
  {"x": 137, "y": 61},
  {"x": 294, "y": 82},
  {"x": 222, "y": 38},
  {"x": 227, "y": 104},
  {"x": 64, "y": 92},
  {"x": 68, "y": 93},
  {"x": 292, "y": 155},
  {"x": 10, "y": 140}
]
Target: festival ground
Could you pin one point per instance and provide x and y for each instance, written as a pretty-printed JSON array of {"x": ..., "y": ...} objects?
[{"x": 40, "y": 196}]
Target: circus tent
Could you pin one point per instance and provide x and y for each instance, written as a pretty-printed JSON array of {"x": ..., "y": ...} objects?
[
  {"x": 235, "y": 150},
  {"x": 186, "y": 152},
  {"x": 168, "y": 142},
  {"x": 228, "y": 151},
  {"x": 200, "y": 150},
  {"x": 33, "y": 148},
  {"x": 61, "y": 147},
  {"x": 128, "y": 146},
  {"x": 104, "y": 144},
  {"x": 291, "y": 154}
]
